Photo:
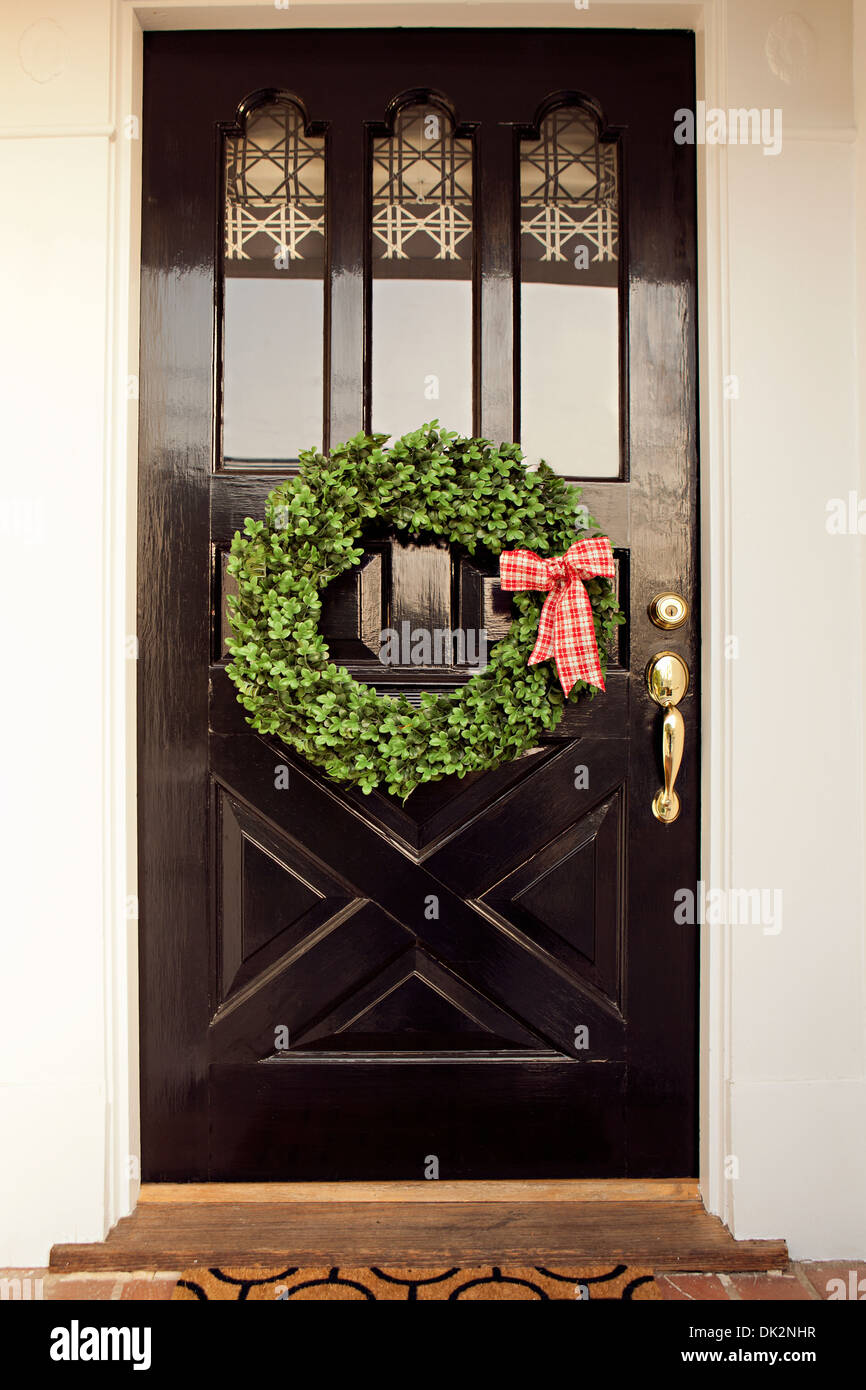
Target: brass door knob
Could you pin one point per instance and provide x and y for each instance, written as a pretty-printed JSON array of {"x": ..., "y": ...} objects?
[
  {"x": 667, "y": 678},
  {"x": 668, "y": 611}
]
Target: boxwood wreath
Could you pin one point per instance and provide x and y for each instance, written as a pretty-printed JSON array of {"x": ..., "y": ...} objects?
[{"x": 430, "y": 483}]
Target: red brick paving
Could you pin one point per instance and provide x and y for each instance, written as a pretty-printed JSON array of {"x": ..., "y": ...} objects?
[
  {"x": 852, "y": 1273},
  {"x": 159, "y": 1287},
  {"x": 777, "y": 1288},
  {"x": 801, "y": 1281},
  {"x": 700, "y": 1287},
  {"x": 89, "y": 1287}
]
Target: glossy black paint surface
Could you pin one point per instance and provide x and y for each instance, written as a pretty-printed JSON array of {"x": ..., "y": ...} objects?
[{"x": 304, "y": 908}]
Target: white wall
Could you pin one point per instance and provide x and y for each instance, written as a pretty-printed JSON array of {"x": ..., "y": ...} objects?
[
  {"x": 67, "y": 1063},
  {"x": 784, "y": 1080},
  {"x": 797, "y": 1100}
]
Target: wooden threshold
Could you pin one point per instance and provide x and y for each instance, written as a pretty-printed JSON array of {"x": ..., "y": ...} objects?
[
  {"x": 268, "y": 1225},
  {"x": 619, "y": 1190}
]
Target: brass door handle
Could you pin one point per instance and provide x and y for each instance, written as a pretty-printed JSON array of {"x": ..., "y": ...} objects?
[{"x": 667, "y": 678}]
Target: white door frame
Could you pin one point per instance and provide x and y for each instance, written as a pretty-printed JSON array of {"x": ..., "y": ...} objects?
[{"x": 706, "y": 18}]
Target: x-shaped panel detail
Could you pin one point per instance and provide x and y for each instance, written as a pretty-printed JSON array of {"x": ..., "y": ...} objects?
[{"x": 435, "y": 914}]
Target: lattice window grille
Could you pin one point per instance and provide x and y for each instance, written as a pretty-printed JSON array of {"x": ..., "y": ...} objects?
[
  {"x": 571, "y": 198},
  {"x": 422, "y": 189},
  {"x": 445, "y": 227},
  {"x": 285, "y": 226},
  {"x": 274, "y": 186},
  {"x": 558, "y": 231}
]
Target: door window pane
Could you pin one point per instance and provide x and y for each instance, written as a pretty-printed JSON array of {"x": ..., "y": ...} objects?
[
  {"x": 422, "y": 273},
  {"x": 569, "y": 297},
  {"x": 273, "y": 289}
]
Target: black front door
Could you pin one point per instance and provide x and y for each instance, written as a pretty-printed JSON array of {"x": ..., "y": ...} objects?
[{"x": 373, "y": 229}]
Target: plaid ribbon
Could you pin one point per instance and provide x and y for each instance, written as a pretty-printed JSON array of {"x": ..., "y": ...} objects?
[{"x": 565, "y": 629}]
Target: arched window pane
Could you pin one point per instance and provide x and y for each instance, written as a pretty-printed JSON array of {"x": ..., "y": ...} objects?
[
  {"x": 422, "y": 274},
  {"x": 569, "y": 297},
  {"x": 273, "y": 313}
]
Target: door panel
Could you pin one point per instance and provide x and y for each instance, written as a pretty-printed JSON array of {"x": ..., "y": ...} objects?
[{"x": 334, "y": 985}]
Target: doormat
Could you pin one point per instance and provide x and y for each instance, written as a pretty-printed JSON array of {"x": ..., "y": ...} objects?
[{"x": 504, "y": 1283}]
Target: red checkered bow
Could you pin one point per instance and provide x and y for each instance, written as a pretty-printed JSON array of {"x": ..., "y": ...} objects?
[{"x": 565, "y": 628}]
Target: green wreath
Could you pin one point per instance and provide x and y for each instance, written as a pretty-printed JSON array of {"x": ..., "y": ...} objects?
[{"x": 432, "y": 482}]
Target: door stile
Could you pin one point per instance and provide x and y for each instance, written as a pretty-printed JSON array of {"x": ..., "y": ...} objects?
[{"x": 496, "y": 217}]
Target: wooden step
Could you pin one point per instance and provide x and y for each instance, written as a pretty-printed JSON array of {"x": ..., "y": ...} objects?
[{"x": 179, "y": 1226}]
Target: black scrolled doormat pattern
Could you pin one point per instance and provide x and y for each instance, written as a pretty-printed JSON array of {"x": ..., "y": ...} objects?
[{"x": 371, "y": 1283}]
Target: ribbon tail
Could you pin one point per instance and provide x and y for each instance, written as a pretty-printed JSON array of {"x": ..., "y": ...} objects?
[
  {"x": 586, "y": 663},
  {"x": 545, "y": 641},
  {"x": 566, "y": 629}
]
